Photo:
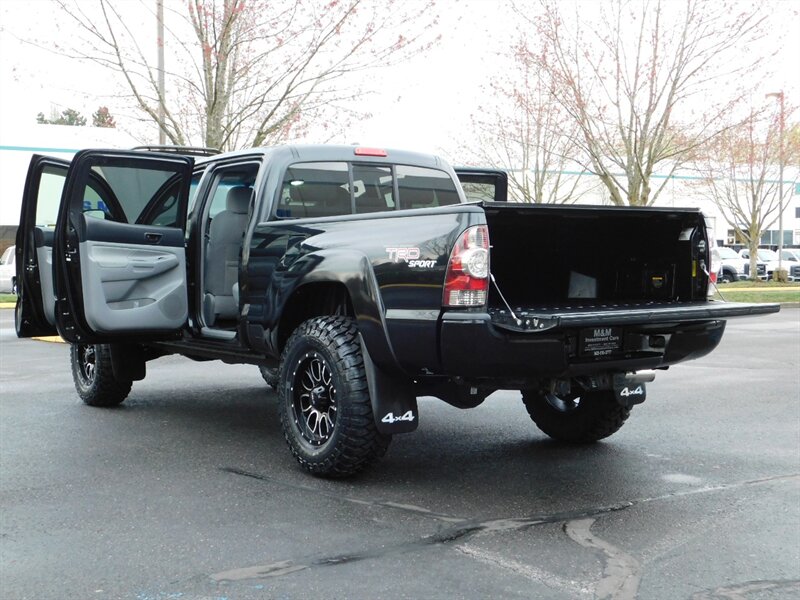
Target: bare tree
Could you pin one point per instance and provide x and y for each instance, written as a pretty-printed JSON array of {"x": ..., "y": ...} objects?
[
  {"x": 739, "y": 170},
  {"x": 528, "y": 134},
  {"x": 636, "y": 77},
  {"x": 248, "y": 72}
]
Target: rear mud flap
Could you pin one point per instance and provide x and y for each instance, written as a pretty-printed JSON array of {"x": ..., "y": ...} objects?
[
  {"x": 127, "y": 362},
  {"x": 394, "y": 404},
  {"x": 630, "y": 394}
]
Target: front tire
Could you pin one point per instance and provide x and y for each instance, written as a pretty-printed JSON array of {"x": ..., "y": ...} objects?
[
  {"x": 94, "y": 377},
  {"x": 325, "y": 408},
  {"x": 577, "y": 418},
  {"x": 271, "y": 376}
]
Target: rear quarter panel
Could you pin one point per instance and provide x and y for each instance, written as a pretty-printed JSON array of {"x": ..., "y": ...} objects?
[{"x": 392, "y": 264}]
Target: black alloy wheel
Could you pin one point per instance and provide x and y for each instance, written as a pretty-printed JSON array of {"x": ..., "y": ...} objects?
[
  {"x": 562, "y": 404},
  {"x": 93, "y": 375},
  {"x": 87, "y": 364},
  {"x": 314, "y": 399}
]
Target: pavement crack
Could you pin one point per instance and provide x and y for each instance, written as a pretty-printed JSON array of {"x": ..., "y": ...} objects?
[
  {"x": 445, "y": 537},
  {"x": 742, "y": 590},
  {"x": 719, "y": 488},
  {"x": 621, "y": 580},
  {"x": 406, "y": 508},
  {"x": 621, "y": 573}
]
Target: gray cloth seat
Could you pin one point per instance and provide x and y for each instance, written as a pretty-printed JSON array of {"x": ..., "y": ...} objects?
[{"x": 223, "y": 248}]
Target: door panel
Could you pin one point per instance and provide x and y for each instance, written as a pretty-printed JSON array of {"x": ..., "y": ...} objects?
[
  {"x": 126, "y": 289},
  {"x": 120, "y": 277},
  {"x": 130, "y": 286},
  {"x": 44, "y": 258},
  {"x": 35, "y": 311}
]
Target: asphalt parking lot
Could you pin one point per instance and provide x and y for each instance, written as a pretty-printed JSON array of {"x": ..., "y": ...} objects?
[{"x": 188, "y": 491}]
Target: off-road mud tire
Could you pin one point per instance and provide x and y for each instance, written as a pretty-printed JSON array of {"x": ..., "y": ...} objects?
[
  {"x": 271, "y": 375},
  {"x": 595, "y": 415},
  {"x": 323, "y": 356},
  {"x": 94, "y": 377}
]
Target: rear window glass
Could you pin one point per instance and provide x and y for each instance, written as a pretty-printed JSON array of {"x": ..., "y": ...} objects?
[
  {"x": 373, "y": 188},
  {"x": 315, "y": 190},
  {"x": 424, "y": 188},
  {"x": 323, "y": 189}
]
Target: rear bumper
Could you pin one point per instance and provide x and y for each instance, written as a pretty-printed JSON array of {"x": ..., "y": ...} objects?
[{"x": 475, "y": 347}]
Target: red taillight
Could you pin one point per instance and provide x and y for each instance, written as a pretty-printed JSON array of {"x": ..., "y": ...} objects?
[
  {"x": 370, "y": 152},
  {"x": 467, "y": 279}
]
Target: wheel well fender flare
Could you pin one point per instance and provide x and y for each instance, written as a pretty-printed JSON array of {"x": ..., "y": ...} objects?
[{"x": 352, "y": 270}]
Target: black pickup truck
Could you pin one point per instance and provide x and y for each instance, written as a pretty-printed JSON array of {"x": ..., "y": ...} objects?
[{"x": 359, "y": 279}]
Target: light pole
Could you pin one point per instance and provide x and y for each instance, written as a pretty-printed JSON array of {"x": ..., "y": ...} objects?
[
  {"x": 779, "y": 96},
  {"x": 162, "y": 138}
]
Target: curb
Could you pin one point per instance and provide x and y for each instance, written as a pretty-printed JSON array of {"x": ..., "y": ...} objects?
[{"x": 792, "y": 288}]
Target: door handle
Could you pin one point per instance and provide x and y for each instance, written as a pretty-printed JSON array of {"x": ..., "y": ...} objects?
[{"x": 153, "y": 238}]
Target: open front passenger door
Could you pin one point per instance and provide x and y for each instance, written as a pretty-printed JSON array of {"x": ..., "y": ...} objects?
[{"x": 119, "y": 249}]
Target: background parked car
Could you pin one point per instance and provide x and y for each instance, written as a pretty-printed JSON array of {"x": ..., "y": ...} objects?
[
  {"x": 791, "y": 262},
  {"x": 791, "y": 255},
  {"x": 8, "y": 272},
  {"x": 768, "y": 257},
  {"x": 734, "y": 267}
]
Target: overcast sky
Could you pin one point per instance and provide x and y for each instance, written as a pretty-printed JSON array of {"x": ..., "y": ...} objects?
[{"x": 424, "y": 104}]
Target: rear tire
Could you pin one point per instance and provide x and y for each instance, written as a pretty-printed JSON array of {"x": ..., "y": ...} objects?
[
  {"x": 578, "y": 418},
  {"x": 94, "y": 377},
  {"x": 271, "y": 376},
  {"x": 325, "y": 407}
]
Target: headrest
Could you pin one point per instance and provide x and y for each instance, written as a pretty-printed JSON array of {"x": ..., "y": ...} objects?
[{"x": 238, "y": 199}]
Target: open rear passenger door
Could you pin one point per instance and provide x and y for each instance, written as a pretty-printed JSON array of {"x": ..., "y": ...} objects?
[
  {"x": 119, "y": 248},
  {"x": 35, "y": 309}
]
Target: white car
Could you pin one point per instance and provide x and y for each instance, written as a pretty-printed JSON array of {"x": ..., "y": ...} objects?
[
  {"x": 791, "y": 262},
  {"x": 734, "y": 267},
  {"x": 791, "y": 256},
  {"x": 8, "y": 272},
  {"x": 766, "y": 256}
]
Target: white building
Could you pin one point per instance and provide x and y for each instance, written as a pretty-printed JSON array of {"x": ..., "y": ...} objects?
[{"x": 19, "y": 142}]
